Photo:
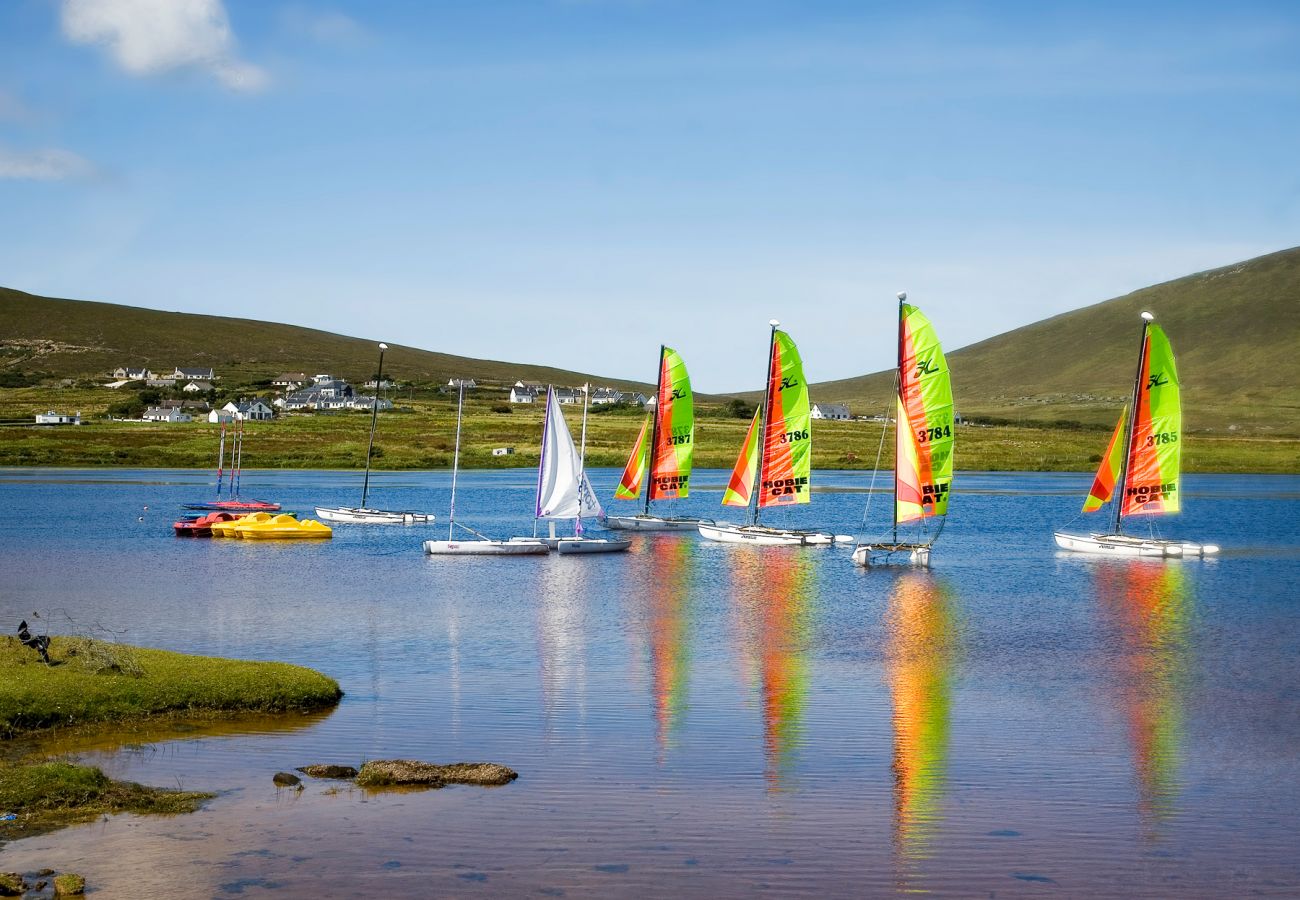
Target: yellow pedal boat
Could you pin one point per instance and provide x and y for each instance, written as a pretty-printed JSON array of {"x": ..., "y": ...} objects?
[
  {"x": 227, "y": 529},
  {"x": 281, "y": 527}
]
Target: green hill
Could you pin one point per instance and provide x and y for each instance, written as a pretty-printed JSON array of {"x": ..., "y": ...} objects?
[
  {"x": 77, "y": 338},
  {"x": 1233, "y": 329}
]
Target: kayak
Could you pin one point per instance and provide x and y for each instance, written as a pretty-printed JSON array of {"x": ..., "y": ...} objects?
[
  {"x": 281, "y": 527},
  {"x": 201, "y": 526}
]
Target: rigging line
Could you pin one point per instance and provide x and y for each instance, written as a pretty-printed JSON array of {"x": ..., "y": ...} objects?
[{"x": 880, "y": 452}]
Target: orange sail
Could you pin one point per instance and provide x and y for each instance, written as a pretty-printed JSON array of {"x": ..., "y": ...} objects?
[
  {"x": 1103, "y": 485},
  {"x": 1151, "y": 483},
  {"x": 629, "y": 486},
  {"x": 742, "y": 476},
  {"x": 787, "y": 431}
]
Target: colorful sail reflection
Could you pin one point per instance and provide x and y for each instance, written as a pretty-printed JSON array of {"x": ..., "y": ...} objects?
[
  {"x": 669, "y": 636},
  {"x": 922, "y": 638},
  {"x": 775, "y": 596},
  {"x": 1147, "y": 605}
]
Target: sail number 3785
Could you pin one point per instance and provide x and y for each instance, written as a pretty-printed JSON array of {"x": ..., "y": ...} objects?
[{"x": 1162, "y": 437}]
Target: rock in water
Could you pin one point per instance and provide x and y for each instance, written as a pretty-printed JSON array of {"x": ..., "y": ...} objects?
[
  {"x": 12, "y": 884},
  {"x": 381, "y": 772},
  {"x": 69, "y": 884},
  {"x": 285, "y": 779},
  {"x": 328, "y": 771}
]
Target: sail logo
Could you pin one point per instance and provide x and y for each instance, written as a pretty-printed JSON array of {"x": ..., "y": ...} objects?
[
  {"x": 1150, "y": 493},
  {"x": 933, "y": 493},
  {"x": 1157, "y": 379},
  {"x": 926, "y": 367},
  {"x": 671, "y": 482},
  {"x": 781, "y": 487},
  {"x": 788, "y": 381},
  {"x": 677, "y": 394}
]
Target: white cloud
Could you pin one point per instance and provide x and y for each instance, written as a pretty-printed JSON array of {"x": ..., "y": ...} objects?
[
  {"x": 148, "y": 37},
  {"x": 43, "y": 165}
]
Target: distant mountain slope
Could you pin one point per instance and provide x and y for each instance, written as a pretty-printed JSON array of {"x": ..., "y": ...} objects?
[
  {"x": 81, "y": 338},
  {"x": 1234, "y": 331}
]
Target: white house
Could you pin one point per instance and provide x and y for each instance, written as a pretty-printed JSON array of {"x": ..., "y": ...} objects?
[
  {"x": 220, "y": 417},
  {"x": 195, "y": 387},
  {"x": 522, "y": 393},
  {"x": 193, "y": 374},
  {"x": 360, "y": 402},
  {"x": 254, "y": 410},
  {"x": 52, "y": 418},
  {"x": 568, "y": 396},
  {"x": 831, "y": 411},
  {"x": 291, "y": 380},
  {"x": 467, "y": 383},
  {"x": 606, "y": 396},
  {"x": 125, "y": 373},
  {"x": 159, "y": 414},
  {"x": 379, "y": 386},
  {"x": 317, "y": 379}
]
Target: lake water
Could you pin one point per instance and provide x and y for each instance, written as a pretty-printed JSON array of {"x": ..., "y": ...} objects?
[{"x": 697, "y": 719}]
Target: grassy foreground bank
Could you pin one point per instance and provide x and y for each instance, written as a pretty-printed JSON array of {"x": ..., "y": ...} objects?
[
  {"x": 422, "y": 438},
  {"x": 93, "y": 682}
]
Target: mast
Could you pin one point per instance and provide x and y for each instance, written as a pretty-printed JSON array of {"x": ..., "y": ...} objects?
[
  {"x": 455, "y": 464},
  {"x": 898, "y": 394},
  {"x": 221, "y": 460},
  {"x": 755, "y": 509},
  {"x": 582, "y": 457},
  {"x": 654, "y": 429},
  {"x": 237, "y": 456},
  {"x": 541, "y": 459},
  {"x": 374, "y": 416},
  {"x": 1147, "y": 318}
]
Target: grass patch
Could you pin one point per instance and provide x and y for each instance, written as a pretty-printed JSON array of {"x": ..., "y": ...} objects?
[{"x": 94, "y": 682}]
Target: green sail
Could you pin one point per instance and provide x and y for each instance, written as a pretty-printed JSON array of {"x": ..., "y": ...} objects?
[
  {"x": 1151, "y": 485},
  {"x": 925, "y": 421},
  {"x": 674, "y": 452},
  {"x": 787, "y": 457}
]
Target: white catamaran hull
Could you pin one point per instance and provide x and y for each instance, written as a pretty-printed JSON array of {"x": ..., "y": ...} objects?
[
  {"x": 513, "y": 547},
  {"x": 867, "y": 555},
  {"x": 592, "y": 545},
  {"x": 360, "y": 516},
  {"x": 650, "y": 523},
  {"x": 1124, "y": 545},
  {"x": 764, "y": 536}
]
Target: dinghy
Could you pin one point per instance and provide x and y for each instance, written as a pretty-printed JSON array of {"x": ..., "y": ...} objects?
[
  {"x": 923, "y": 432},
  {"x": 1140, "y": 470},
  {"x": 364, "y": 515},
  {"x": 775, "y": 463},
  {"x": 479, "y": 545},
  {"x": 563, "y": 491},
  {"x": 201, "y": 526},
  {"x": 283, "y": 527},
  {"x": 667, "y": 454}
]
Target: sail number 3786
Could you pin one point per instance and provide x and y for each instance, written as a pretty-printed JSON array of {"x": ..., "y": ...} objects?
[{"x": 790, "y": 437}]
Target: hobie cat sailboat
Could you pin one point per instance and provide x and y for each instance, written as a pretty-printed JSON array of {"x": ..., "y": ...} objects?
[
  {"x": 923, "y": 428},
  {"x": 668, "y": 452},
  {"x": 1141, "y": 464},
  {"x": 775, "y": 464}
]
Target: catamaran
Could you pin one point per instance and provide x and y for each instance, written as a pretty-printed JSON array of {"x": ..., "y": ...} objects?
[
  {"x": 480, "y": 545},
  {"x": 668, "y": 452},
  {"x": 1141, "y": 464},
  {"x": 563, "y": 491},
  {"x": 363, "y": 515},
  {"x": 923, "y": 443},
  {"x": 775, "y": 466}
]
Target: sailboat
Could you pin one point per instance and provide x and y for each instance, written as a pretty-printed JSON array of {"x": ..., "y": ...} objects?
[
  {"x": 923, "y": 430},
  {"x": 563, "y": 491},
  {"x": 775, "y": 465},
  {"x": 668, "y": 454},
  {"x": 1141, "y": 464},
  {"x": 480, "y": 545},
  {"x": 233, "y": 503},
  {"x": 363, "y": 515}
]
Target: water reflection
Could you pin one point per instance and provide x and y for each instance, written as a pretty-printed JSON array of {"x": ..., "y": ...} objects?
[
  {"x": 669, "y": 628},
  {"x": 775, "y": 592},
  {"x": 561, "y": 639},
  {"x": 919, "y": 663},
  {"x": 1146, "y": 606}
]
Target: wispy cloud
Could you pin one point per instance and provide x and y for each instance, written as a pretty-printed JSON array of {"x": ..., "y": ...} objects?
[
  {"x": 43, "y": 165},
  {"x": 150, "y": 37},
  {"x": 328, "y": 27}
]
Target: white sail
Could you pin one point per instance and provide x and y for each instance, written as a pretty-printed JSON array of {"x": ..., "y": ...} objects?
[
  {"x": 559, "y": 474},
  {"x": 591, "y": 508}
]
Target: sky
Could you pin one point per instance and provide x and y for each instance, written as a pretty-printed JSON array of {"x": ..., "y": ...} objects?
[{"x": 574, "y": 182}]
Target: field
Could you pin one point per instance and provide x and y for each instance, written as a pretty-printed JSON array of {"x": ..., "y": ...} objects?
[{"x": 419, "y": 434}]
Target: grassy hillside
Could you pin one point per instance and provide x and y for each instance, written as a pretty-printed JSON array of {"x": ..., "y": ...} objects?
[
  {"x": 78, "y": 338},
  {"x": 1233, "y": 330}
]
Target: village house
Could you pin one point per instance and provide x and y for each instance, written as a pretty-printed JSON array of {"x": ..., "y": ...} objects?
[
  {"x": 466, "y": 383},
  {"x": 831, "y": 411},
  {"x": 567, "y": 396},
  {"x": 50, "y": 417},
  {"x": 254, "y": 410},
  {"x": 361, "y": 402},
  {"x": 606, "y": 396},
  {"x": 380, "y": 386},
  {"x": 523, "y": 393},
  {"x": 196, "y": 387},
  {"x": 220, "y": 417},
  {"x": 163, "y": 414},
  {"x": 182, "y": 374},
  {"x": 290, "y": 381},
  {"x": 125, "y": 373}
]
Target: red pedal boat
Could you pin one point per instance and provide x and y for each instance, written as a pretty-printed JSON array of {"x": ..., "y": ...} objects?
[{"x": 201, "y": 526}]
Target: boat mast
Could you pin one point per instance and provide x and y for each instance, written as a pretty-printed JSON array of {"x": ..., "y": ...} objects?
[
  {"x": 221, "y": 459},
  {"x": 374, "y": 415},
  {"x": 582, "y": 460},
  {"x": 756, "y": 509},
  {"x": 455, "y": 464},
  {"x": 541, "y": 459},
  {"x": 1147, "y": 318},
  {"x": 654, "y": 429},
  {"x": 237, "y": 456},
  {"x": 898, "y": 393}
]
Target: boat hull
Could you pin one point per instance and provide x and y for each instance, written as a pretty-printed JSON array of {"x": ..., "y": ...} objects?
[
  {"x": 763, "y": 536},
  {"x": 869, "y": 555},
  {"x": 516, "y": 547},
  {"x": 283, "y": 528},
  {"x": 1124, "y": 545},
  {"x": 362, "y": 516},
  {"x": 592, "y": 545},
  {"x": 651, "y": 523},
  {"x": 236, "y": 506}
]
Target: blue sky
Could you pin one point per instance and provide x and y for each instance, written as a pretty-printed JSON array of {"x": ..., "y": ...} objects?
[{"x": 573, "y": 182}]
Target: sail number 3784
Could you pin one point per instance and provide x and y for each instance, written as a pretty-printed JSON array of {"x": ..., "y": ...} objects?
[{"x": 933, "y": 434}]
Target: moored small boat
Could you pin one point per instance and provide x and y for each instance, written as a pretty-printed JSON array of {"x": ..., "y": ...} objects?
[
  {"x": 592, "y": 545},
  {"x": 486, "y": 547},
  {"x": 227, "y": 529},
  {"x": 652, "y": 523},
  {"x": 762, "y": 535},
  {"x": 236, "y": 506},
  {"x": 282, "y": 527},
  {"x": 201, "y": 526},
  {"x": 360, "y": 516}
]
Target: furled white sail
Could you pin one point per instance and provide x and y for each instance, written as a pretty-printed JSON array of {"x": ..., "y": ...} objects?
[{"x": 560, "y": 470}]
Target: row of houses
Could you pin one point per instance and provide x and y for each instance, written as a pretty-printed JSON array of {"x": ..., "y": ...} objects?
[
  {"x": 532, "y": 392},
  {"x": 180, "y": 373},
  {"x": 185, "y": 411}
]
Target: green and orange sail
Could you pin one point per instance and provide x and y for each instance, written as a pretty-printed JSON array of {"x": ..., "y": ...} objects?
[
  {"x": 666, "y": 444},
  {"x": 787, "y": 429},
  {"x": 1103, "y": 484},
  {"x": 741, "y": 482},
  {"x": 924, "y": 461}
]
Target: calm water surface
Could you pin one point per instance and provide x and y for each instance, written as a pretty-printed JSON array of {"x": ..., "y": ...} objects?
[{"x": 695, "y": 718}]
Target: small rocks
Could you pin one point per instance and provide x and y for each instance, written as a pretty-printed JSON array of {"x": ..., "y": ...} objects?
[
  {"x": 328, "y": 771},
  {"x": 12, "y": 884},
  {"x": 69, "y": 884},
  {"x": 385, "y": 772},
  {"x": 285, "y": 779}
]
